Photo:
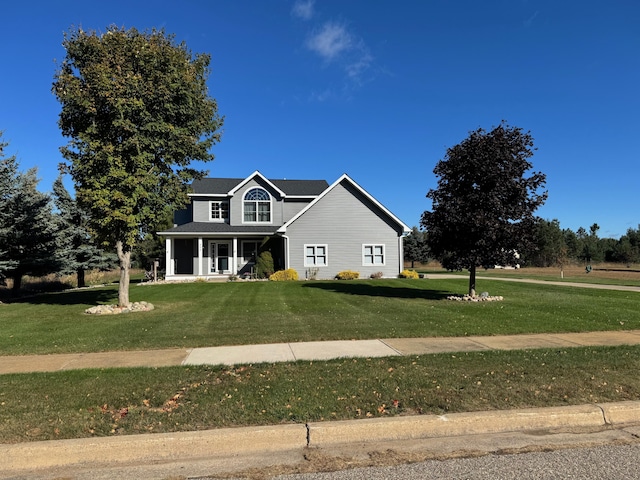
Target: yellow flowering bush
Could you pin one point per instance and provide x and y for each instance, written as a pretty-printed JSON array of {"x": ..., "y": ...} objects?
[
  {"x": 347, "y": 275},
  {"x": 409, "y": 274},
  {"x": 284, "y": 275}
]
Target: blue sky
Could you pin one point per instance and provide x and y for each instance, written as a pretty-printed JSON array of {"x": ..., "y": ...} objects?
[{"x": 376, "y": 89}]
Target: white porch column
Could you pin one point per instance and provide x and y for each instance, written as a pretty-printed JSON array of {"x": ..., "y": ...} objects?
[
  {"x": 199, "y": 256},
  {"x": 168, "y": 259},
  {"x": 234, "y": 256}
]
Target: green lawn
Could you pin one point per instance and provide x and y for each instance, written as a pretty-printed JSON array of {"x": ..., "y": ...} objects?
[
  {"x": 87, "y": 403},
  {"x": 209, "y": 314}
]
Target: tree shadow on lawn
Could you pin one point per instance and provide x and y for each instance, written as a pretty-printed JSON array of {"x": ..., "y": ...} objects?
[
  {"x": 372, "y": 290},
  {"x": 89, "y": 296}
]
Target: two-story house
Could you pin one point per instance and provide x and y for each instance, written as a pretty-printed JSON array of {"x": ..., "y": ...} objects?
[{"x": 308, "y": 225}]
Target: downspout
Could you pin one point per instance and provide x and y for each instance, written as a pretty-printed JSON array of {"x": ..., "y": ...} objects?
[
  {"x": 286, "y": 251},
  {"x": 401, "y": 252}
]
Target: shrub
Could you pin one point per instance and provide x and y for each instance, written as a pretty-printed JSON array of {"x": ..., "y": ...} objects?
[
  {"x": 409, "y": 274},
  {"x": 264, "y": 265},
  {"x": 347, "y": 275},
  {"x": 377, "y": 275},
  {"x": 284, "y": 275}
]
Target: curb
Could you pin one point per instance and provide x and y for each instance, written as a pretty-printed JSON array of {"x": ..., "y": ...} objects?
[{"x": 227, "y": 442}]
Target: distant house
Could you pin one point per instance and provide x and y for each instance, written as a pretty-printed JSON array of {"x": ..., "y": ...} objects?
[{"x": 308, "y": 225}]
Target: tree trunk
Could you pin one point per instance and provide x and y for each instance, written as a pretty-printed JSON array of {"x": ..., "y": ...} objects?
[
  {"x": 472, "y": 281},
  {"x": 17, "y": 282},
  {"x": 123, "y": 287},
  {"x": 80, "y": 277}
]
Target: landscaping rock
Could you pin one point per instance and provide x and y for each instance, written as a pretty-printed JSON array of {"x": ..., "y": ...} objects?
[
  {"x": 475, "y": 298},
  {"x": 115, "y": 309}
]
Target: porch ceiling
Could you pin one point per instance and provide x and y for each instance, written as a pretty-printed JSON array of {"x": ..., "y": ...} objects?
[{"x": 208, "y": 228}]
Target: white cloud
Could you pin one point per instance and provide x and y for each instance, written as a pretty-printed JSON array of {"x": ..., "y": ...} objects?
[
  {"x": 330, "y": 41},
  {"x": 359, "y": 65},
  {"x": 303, "y": 9}
]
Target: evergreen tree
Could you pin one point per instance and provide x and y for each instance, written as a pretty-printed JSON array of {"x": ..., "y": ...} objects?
[
  {"x": 8, "y": 189},
  {"x": 76, "y": 251},
  {"x": 28, "y": 228},
  {"x": 415, "y": 246}
]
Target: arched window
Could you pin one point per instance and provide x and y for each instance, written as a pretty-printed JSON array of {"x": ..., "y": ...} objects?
[{"x": 257, "y": 206}]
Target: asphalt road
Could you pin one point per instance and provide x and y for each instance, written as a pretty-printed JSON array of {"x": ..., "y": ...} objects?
[{"x": 605, "y": 462}]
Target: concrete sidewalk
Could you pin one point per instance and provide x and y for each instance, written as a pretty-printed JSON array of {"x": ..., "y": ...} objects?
[
  {"x": 291, "y": 352},
  {"x": 203, "y": 453}
]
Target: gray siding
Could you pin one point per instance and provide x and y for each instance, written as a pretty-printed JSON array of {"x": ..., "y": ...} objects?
[
  {"x": 344, "y": 220},
  {"x": 291, "y": 208},
  {"x": 202, "y": 209}
]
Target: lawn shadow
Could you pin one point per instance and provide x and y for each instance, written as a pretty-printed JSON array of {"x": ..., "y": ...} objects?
[
  {"x": 88, "y": 296},
  {"x": 372, "y": 290}
]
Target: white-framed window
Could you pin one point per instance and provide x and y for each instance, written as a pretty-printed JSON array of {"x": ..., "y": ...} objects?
[
  {"x": 219, "y": 211},
  {"x": 257, "y": 206},
  {"x": 316, "y": 255},
  {"x": 372, "y": 254}
]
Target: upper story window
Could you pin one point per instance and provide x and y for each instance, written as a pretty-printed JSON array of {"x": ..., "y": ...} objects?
[
  {"x": 219, "y": 211},
  {"x": 257, "y": 206}
]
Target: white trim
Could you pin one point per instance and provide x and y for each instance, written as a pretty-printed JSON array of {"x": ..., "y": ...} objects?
[
  {"x": 346, "y": 177},
  {"x": 257, "y": 202},
  {"x": 234, "y": 253},
  {"x": 373, "y": 254},
  {"x": 233, "y": 191},
  {"x": 216, "y": 234},
  {"x": 222, "y": 219},
  {"x": 168, "y": 256},
  {"x": 216, "y": 195},
  {"x": 315, "y": 255},
  {"x": 213, "y": 257}
]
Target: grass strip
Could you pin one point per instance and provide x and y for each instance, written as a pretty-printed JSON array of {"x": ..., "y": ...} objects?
[
  {"x": 87, "y": 403},
  {"x": 210, "y": 314}
]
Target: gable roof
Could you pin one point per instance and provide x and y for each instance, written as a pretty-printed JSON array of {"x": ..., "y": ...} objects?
[
  {"x": 286, "y": 188},
  {"x": 346, "y": 177}
]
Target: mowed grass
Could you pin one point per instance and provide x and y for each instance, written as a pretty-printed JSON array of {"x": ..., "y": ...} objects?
[
  {"x": 210, "y": 314},
  {"x": 605, "y": 273},
  {"x": 86, "y": 403}
]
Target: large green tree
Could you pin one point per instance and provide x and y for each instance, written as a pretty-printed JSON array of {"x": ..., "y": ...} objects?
[
  {"x": 136, "y": 108},
  {"x": 482, "y": 208}
]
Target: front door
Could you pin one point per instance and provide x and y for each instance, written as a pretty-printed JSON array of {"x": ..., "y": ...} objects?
[{"x": 219, "y": 257}]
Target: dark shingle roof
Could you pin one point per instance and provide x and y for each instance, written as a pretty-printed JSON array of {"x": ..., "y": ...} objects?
[{"x": 221, "y": 186}]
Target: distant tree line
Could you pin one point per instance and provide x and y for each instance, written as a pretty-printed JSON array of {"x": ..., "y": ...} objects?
[{"x": 552, "y": 246}]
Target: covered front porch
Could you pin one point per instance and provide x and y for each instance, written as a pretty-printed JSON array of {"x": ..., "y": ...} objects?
[{"x": 208, "y": 257}]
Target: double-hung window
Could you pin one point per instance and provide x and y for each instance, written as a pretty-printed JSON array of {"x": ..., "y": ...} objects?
[
  {"x": 219, "y": 211},
  {"x": 257, "y": 206},
  {"x": 316, "y": 256},
  {"x": 372, "y": 254}
]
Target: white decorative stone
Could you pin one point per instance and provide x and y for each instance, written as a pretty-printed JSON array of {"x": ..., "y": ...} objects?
[{"x": 115, "y": 309}]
